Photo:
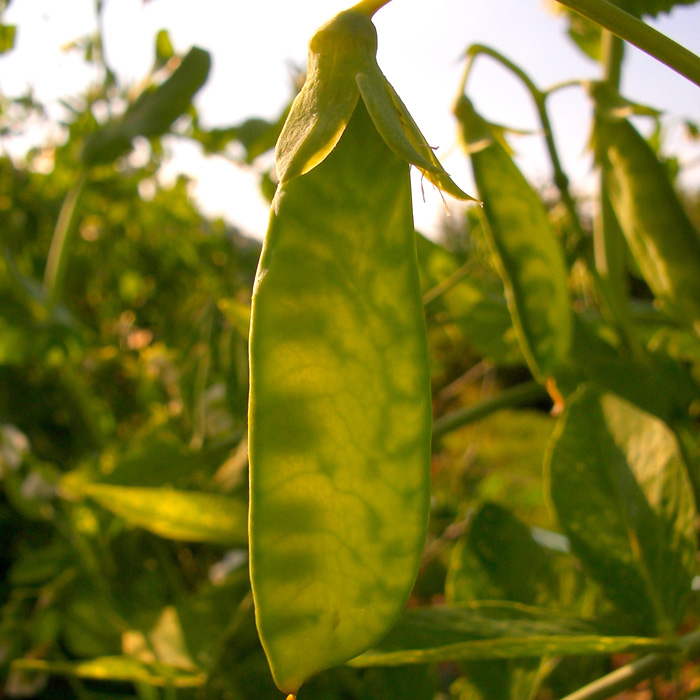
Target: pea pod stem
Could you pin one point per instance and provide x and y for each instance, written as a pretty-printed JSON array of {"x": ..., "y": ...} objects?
[
  {"x": 640, "y": 34},
  {"x": 369, "y": 7},
  {"x": 508, "y": 398},
  {"x": 539, "y": 97}
]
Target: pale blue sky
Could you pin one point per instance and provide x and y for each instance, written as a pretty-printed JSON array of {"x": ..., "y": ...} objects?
[{"x": 420, "y": 43}]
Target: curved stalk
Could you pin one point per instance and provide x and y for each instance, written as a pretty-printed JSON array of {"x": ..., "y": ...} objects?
[
  {"x": 641, "y": 35},
  {"x": 539, "y": 98},
  {"x": 57, "y": 259}
]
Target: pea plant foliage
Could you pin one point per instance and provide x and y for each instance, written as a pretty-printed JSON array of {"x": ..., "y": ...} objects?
[{"x": 354, "y": 463}]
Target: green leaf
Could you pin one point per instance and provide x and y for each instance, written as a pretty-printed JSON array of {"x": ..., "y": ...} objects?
[
  {"x": 516, "y": 564},
  {"x": 525, "y": 247},
  {"x": 622, "y": 496},
  {"x": 189, "y": 516},
  {"x": 153, "y": 113},
  {"x": 340, "y": 414},
  {"x": 116, "y": 668},
  {"x": 495, "y": 631},
  {"x": 584, "y": 33}
]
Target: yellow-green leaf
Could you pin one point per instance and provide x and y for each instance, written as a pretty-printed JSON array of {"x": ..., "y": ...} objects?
[
  {"x": 190, "y": 516},
  {"x": 116, "y": 668}
]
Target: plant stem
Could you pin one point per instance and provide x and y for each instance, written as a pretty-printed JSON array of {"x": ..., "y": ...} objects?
[
  {"x": 508, "y": 398},
  {"x": 539, "y": 98},
  {"x": 369, "y": 7},
  {"x": 641, "y": 35},
  {"x": 640, "y": 670},
  {"x": 613, "y": 54}
]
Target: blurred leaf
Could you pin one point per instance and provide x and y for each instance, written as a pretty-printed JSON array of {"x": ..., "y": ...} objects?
[
  {"x": 237, "y": 314},
  {"x": 622, "y": 496},
  {"x": 584, "y": 33},
  {"x": 498, "y": 679},
  {"x": 7, "y": 37},
  {"x": 116, "y": 668},
  {"x": 512, "y": 560},
  {"x": 479, "y": 312},
  {"x": 678, "y": 343},
  {"x": 654, "y": 382},
  {"x": 153, "y": 113},
  {"x": 179, "y": 515},
  {"x": 495, "y": 631},
  {"x": 506, "y": 451},
  {"x": 164, "y": 461}
]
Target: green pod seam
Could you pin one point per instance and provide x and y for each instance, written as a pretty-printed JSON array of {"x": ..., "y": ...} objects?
[
  {"x": 525, "y": 247},
  {"x": 658, "y": 231},
  {"x": 340, "y": 411}
]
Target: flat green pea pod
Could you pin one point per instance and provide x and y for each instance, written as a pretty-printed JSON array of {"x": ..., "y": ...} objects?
[
  {"x": 525, "y": 247},
  {"x": 340, "y": 408},
  {"x": 658, "y": 231},
  {"x": 340, "y": 413}
]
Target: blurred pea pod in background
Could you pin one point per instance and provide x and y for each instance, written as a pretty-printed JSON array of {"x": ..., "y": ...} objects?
[
  {"x": 659, "y": 233},
  {"x": 528, "y": 254}
]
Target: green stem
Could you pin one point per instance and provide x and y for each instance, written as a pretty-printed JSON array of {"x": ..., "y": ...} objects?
[
  {"x": 539, "y": 98},
  {"x": 508, "y": 398},
  {"x": 641, "y": 35},
  {"x": 613, "y": 55},
  {"x": 57, "y": 259},
  {"x": 454, "y": 279},
  {"x": 640, "y": 670},
  {"x": 369, "y": 7},
  {"x": 610, "y": 250}
]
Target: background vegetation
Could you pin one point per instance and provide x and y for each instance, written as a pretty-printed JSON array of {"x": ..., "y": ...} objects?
[{"x": 123, "y": 460}]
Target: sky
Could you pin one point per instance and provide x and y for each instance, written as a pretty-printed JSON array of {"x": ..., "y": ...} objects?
[{"x": 257, "y": 45}]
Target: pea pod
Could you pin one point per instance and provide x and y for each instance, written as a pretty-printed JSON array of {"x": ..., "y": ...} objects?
[
  {"x": 340, "y": 414},
  {"x": 659, "y": 233},
  {"x": 525, "y": 247},
  {"x": 340, "y": 411}
]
